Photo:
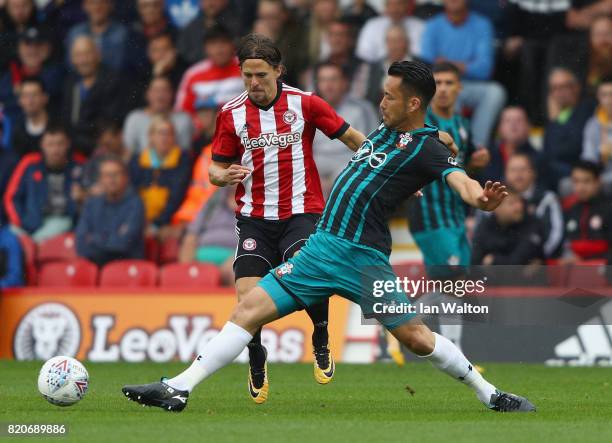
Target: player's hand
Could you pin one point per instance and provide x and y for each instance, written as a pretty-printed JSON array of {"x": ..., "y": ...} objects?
[
  {"x": 446, "y": 138},
  {"x": 492, "y": 196},
  {"x": 234, "y": 174},
  {"x": 418, "y": 194}
]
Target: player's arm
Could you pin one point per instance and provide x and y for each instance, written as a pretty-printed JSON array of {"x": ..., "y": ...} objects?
[
  {"x": 224, "y": 174},
  {"x": 352, "y": 138},
  {"x": 325, "y": 119},
  {"x": 473, "y": 194},
  {"x": 225, "y": 152}
]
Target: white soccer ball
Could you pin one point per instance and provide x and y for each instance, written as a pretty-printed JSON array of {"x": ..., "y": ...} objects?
[{"x": 63, "y": 381}]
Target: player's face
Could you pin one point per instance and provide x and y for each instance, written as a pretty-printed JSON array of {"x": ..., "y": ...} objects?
[
  {"x": 586, "y": 186},
  {"x": 396, "y": 104},
  {"x": 260, "y": 80},
  {"x": 448, "y": 88}
]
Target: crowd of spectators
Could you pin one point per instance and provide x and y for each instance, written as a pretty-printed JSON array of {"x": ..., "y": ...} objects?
[{"x": 108, "y": 108}]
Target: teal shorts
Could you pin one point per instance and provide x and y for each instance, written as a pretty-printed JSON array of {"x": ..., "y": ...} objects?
[
  {"x": 329, "y": 265},
  {"x": 446, "y": 251}
]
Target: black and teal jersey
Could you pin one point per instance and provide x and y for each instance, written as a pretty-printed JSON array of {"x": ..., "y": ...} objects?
[
  {"x": 388, "y": 168},
  {"x": 441, "y": 207}
]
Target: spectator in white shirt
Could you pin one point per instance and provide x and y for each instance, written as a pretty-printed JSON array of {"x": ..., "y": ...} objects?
[
  {"x": 371, "y": 43},
  {"x": 159, "y": 98}
]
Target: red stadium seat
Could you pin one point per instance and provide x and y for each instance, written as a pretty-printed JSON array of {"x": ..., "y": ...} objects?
[
  {"x": 60, "y": 247},
  {"x": 74, "y": 273},
  {"x": 168, "y": 251},
  {"x": 129, "y": 273},
  {"x": 190, "y": 275},
  {"x": 151, "y": 249},
  {"x": 29, "y": 254}
]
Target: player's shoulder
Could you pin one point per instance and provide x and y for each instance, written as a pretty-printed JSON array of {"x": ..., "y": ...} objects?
[
  {"x": 234, "y": 103},
  {"x": 292, "y": 90},
  {"x": 429, "y": 138},
  {"x": 432, "y": 148}
]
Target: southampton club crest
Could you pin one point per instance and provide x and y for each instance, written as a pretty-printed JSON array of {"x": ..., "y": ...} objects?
[
  {"x": 47, "y": 330},
  {"x": 284, "y": 269},
  {"x": 403, "y": 141}
]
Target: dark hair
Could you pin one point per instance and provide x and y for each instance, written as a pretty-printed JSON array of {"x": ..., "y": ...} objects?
[
  {"x": 585, "y": 165},
  {"x": 348, "y": 22},
  {"x": 163, "y": 34},
  {"x": 35, "y": 80},
  {"x": 446, "y": 67},
  {"x": 327, "y": 64},
  {"x": 258, "y": 46},
  {"x": 56, "y": 128},
  {"x": 107, "y": 125},
  {"x": 218, "y": 33},
  {"x": 606, "y": 79},
  {"x": 417, "y": 79}
]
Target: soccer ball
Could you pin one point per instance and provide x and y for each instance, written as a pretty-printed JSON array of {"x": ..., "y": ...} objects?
[{"x": 63, "y": 381}]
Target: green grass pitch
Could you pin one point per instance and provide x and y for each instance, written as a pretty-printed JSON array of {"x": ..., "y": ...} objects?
[{"x": 364, "y": 403}]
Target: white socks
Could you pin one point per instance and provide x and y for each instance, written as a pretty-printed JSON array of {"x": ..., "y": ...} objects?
[
  {"x": 450, "y": 360},
  {"x": 218, "y": 352}
]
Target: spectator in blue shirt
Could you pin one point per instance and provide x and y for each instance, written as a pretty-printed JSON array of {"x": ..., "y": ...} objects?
[
  {"x": 112, "y": 38},
  {"x": 112, "y": 225},
  {"x": 11, "y": 259},
  {"x": 465, "y": 38}
]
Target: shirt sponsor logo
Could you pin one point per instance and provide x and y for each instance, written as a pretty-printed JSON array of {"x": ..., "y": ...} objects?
[
  {"x": 366, "y": 152},
  {"x": 269, "y": 139}
]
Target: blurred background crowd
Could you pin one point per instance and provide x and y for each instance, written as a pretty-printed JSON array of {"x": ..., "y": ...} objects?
[{"x": 107, "y": 111}]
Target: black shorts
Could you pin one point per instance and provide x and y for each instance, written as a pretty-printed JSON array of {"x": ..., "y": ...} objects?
[{"x": 265, "y": 244}]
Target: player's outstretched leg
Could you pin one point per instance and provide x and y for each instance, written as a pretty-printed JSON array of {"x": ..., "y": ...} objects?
[
  {"x": 251, "y": 313},
  {"x": 445, "y": 356},
  {"x": 324, "y": 366}
]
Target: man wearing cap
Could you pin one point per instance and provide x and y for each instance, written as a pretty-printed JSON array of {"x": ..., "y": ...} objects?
[{"x": 33, "y": 52}]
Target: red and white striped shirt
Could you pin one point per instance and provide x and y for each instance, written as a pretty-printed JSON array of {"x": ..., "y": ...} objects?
[{"x": 275, "y": 142}]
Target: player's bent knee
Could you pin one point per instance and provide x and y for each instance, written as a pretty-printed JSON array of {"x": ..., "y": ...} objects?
[{"x": 254, "y": 310}]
